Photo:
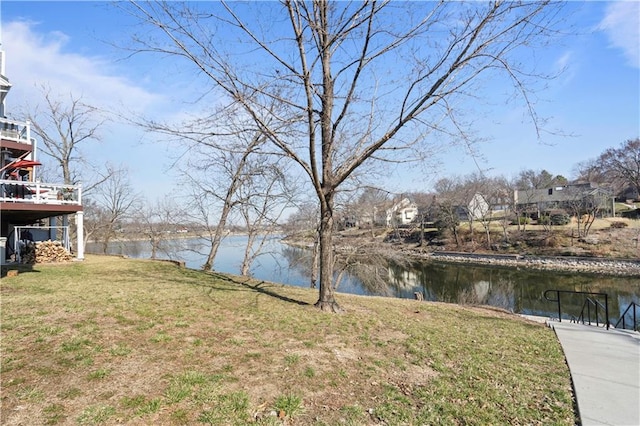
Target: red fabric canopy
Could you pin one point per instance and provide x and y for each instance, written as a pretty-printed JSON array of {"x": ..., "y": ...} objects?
[{"x": 21, "y": 164}]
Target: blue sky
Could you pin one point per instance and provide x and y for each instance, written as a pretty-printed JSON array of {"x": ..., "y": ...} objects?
[{"x": 68, "y": 45}]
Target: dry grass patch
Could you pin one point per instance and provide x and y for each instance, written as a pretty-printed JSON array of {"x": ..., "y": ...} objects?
[{"x": 113, "y": 340}]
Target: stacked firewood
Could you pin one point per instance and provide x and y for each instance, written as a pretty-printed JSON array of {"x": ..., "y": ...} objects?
[{"x": 46, "y": 252}]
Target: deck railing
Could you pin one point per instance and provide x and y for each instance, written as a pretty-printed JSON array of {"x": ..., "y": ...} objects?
[
  {"x": 40, "y": 193},
  {"x": 15, "y": 131}
]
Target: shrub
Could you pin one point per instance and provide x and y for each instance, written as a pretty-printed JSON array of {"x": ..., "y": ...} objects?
[
  {"x": 559, "y": 219},
  {"x": 550, "y": 241},
  {"x": 544, "y": 220},
  {"x": 619, "y": 225}
]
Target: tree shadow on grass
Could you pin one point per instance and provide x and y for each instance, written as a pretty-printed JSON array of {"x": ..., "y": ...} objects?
[{"x": 257, "y": 286}]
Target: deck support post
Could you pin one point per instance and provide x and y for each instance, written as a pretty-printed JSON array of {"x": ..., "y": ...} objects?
[{"x": 80, "y": 235}]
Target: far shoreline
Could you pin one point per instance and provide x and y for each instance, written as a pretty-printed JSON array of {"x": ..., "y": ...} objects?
[{"x": 618, "y": 267}]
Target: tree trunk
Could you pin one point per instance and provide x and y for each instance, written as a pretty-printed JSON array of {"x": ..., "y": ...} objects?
[
  {"x": 215, "y": 243},
  {"x": 488, "y": 231},
  {"x": 579, "y": 224},
  {"x": 455, "y": 234},
  {"x": 315, "y": 261},
  {"x": 248, "y": 258},
  {"x": 154, "y": 246},
  {"x": 326, "y": 300}
]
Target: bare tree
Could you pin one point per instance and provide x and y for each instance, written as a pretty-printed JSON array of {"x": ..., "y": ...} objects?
[
  {"x": 266, "y": 198},
  {"x": 448, "y": 202},
  {"x": 426, "y": 211},
  {"x": 622, "y": 165},
  {"x": 472, "y": 195},
  {"x": 503, "y": 189},
  {"x": 531, "y": 179},
  {"x": 589, "y": 171},
  {"x": 110, "y": 204},
  {"x": 497, "y": 193},
  {"x": 370, "y": 206},
  {"x": 303, "y": 220},
  {"x": 94, "y": 220},
  {"x": 158, "y": 220},
  {"x": 586, "y": 205},
  {"x": 485, "y": 212},
  {"x": 223, "y": 164},
  {"x": 211, "y": 200},
  {"x": 363, "y": 85},
  {"x": 234, "y": 165},
  {"x": 64, "y": 127}
]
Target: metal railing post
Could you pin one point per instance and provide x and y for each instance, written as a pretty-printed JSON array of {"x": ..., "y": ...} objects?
[
  {"x": 557, "y": 300},
  {"x": 588, "y": 301},
  {"x": 606, "y": 309},
  {"x": 623, "y": 318}
]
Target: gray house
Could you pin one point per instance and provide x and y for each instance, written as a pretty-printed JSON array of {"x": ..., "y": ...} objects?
[{"x": 568, "y": 197}]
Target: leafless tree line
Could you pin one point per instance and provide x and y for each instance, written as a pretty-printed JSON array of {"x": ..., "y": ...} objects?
[
  {"x": 340, "y": 91},
  {"x": 224, "y": 176}
]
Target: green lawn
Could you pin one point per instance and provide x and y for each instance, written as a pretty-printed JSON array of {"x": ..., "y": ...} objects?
[{"x": 121, "y": 341}]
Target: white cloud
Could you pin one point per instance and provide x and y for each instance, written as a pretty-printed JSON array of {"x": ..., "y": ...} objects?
[
  {"x": 622, "y": 26},
  {"x": 33, "y": 59}
]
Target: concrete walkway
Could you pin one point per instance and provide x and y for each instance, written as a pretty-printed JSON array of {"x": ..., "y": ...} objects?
[{"x": 605, "y": 369}]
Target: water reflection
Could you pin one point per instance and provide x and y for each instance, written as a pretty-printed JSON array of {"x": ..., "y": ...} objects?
[{"x": 515, "y": 290}]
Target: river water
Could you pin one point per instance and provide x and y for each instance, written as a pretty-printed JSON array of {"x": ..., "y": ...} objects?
[{"x": 516, "y": 290}]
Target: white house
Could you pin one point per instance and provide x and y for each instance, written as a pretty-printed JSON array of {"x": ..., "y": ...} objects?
[
  {"x": 478, "y": 206},
  {"x": 401, "y": 213}
]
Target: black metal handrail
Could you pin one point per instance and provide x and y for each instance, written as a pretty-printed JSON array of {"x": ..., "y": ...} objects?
[
  {"x": 636, "y": 326},
  {"x": 586, "y": 305}
]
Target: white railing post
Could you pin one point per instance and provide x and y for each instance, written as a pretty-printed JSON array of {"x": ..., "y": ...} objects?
[
  {"x": 80, "y": 235},
  {"x": 65, "y": 231},
  {"x": 16, "y": 245},
  {"x": 37, "y": 197}
]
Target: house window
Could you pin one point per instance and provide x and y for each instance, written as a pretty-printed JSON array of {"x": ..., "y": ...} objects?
[{"x": 550, "y": 191}]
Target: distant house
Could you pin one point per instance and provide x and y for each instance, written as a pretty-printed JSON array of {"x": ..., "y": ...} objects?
[
  {"x": 350, "y": 221},
  {"x": 629, "y": 194},
  {"x": 478, "y": 207},
  {"x": 538, "y": 201},
  {"x": 401, "y": 213}
]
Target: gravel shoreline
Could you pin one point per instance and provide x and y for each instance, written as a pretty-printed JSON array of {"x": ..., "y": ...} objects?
[
  {"x": 604, "y": 266},
  {"x": 591, "y": 265}
]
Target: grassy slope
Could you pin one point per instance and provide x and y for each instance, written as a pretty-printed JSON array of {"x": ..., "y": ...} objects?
[{"x": 115, "y": 340}]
